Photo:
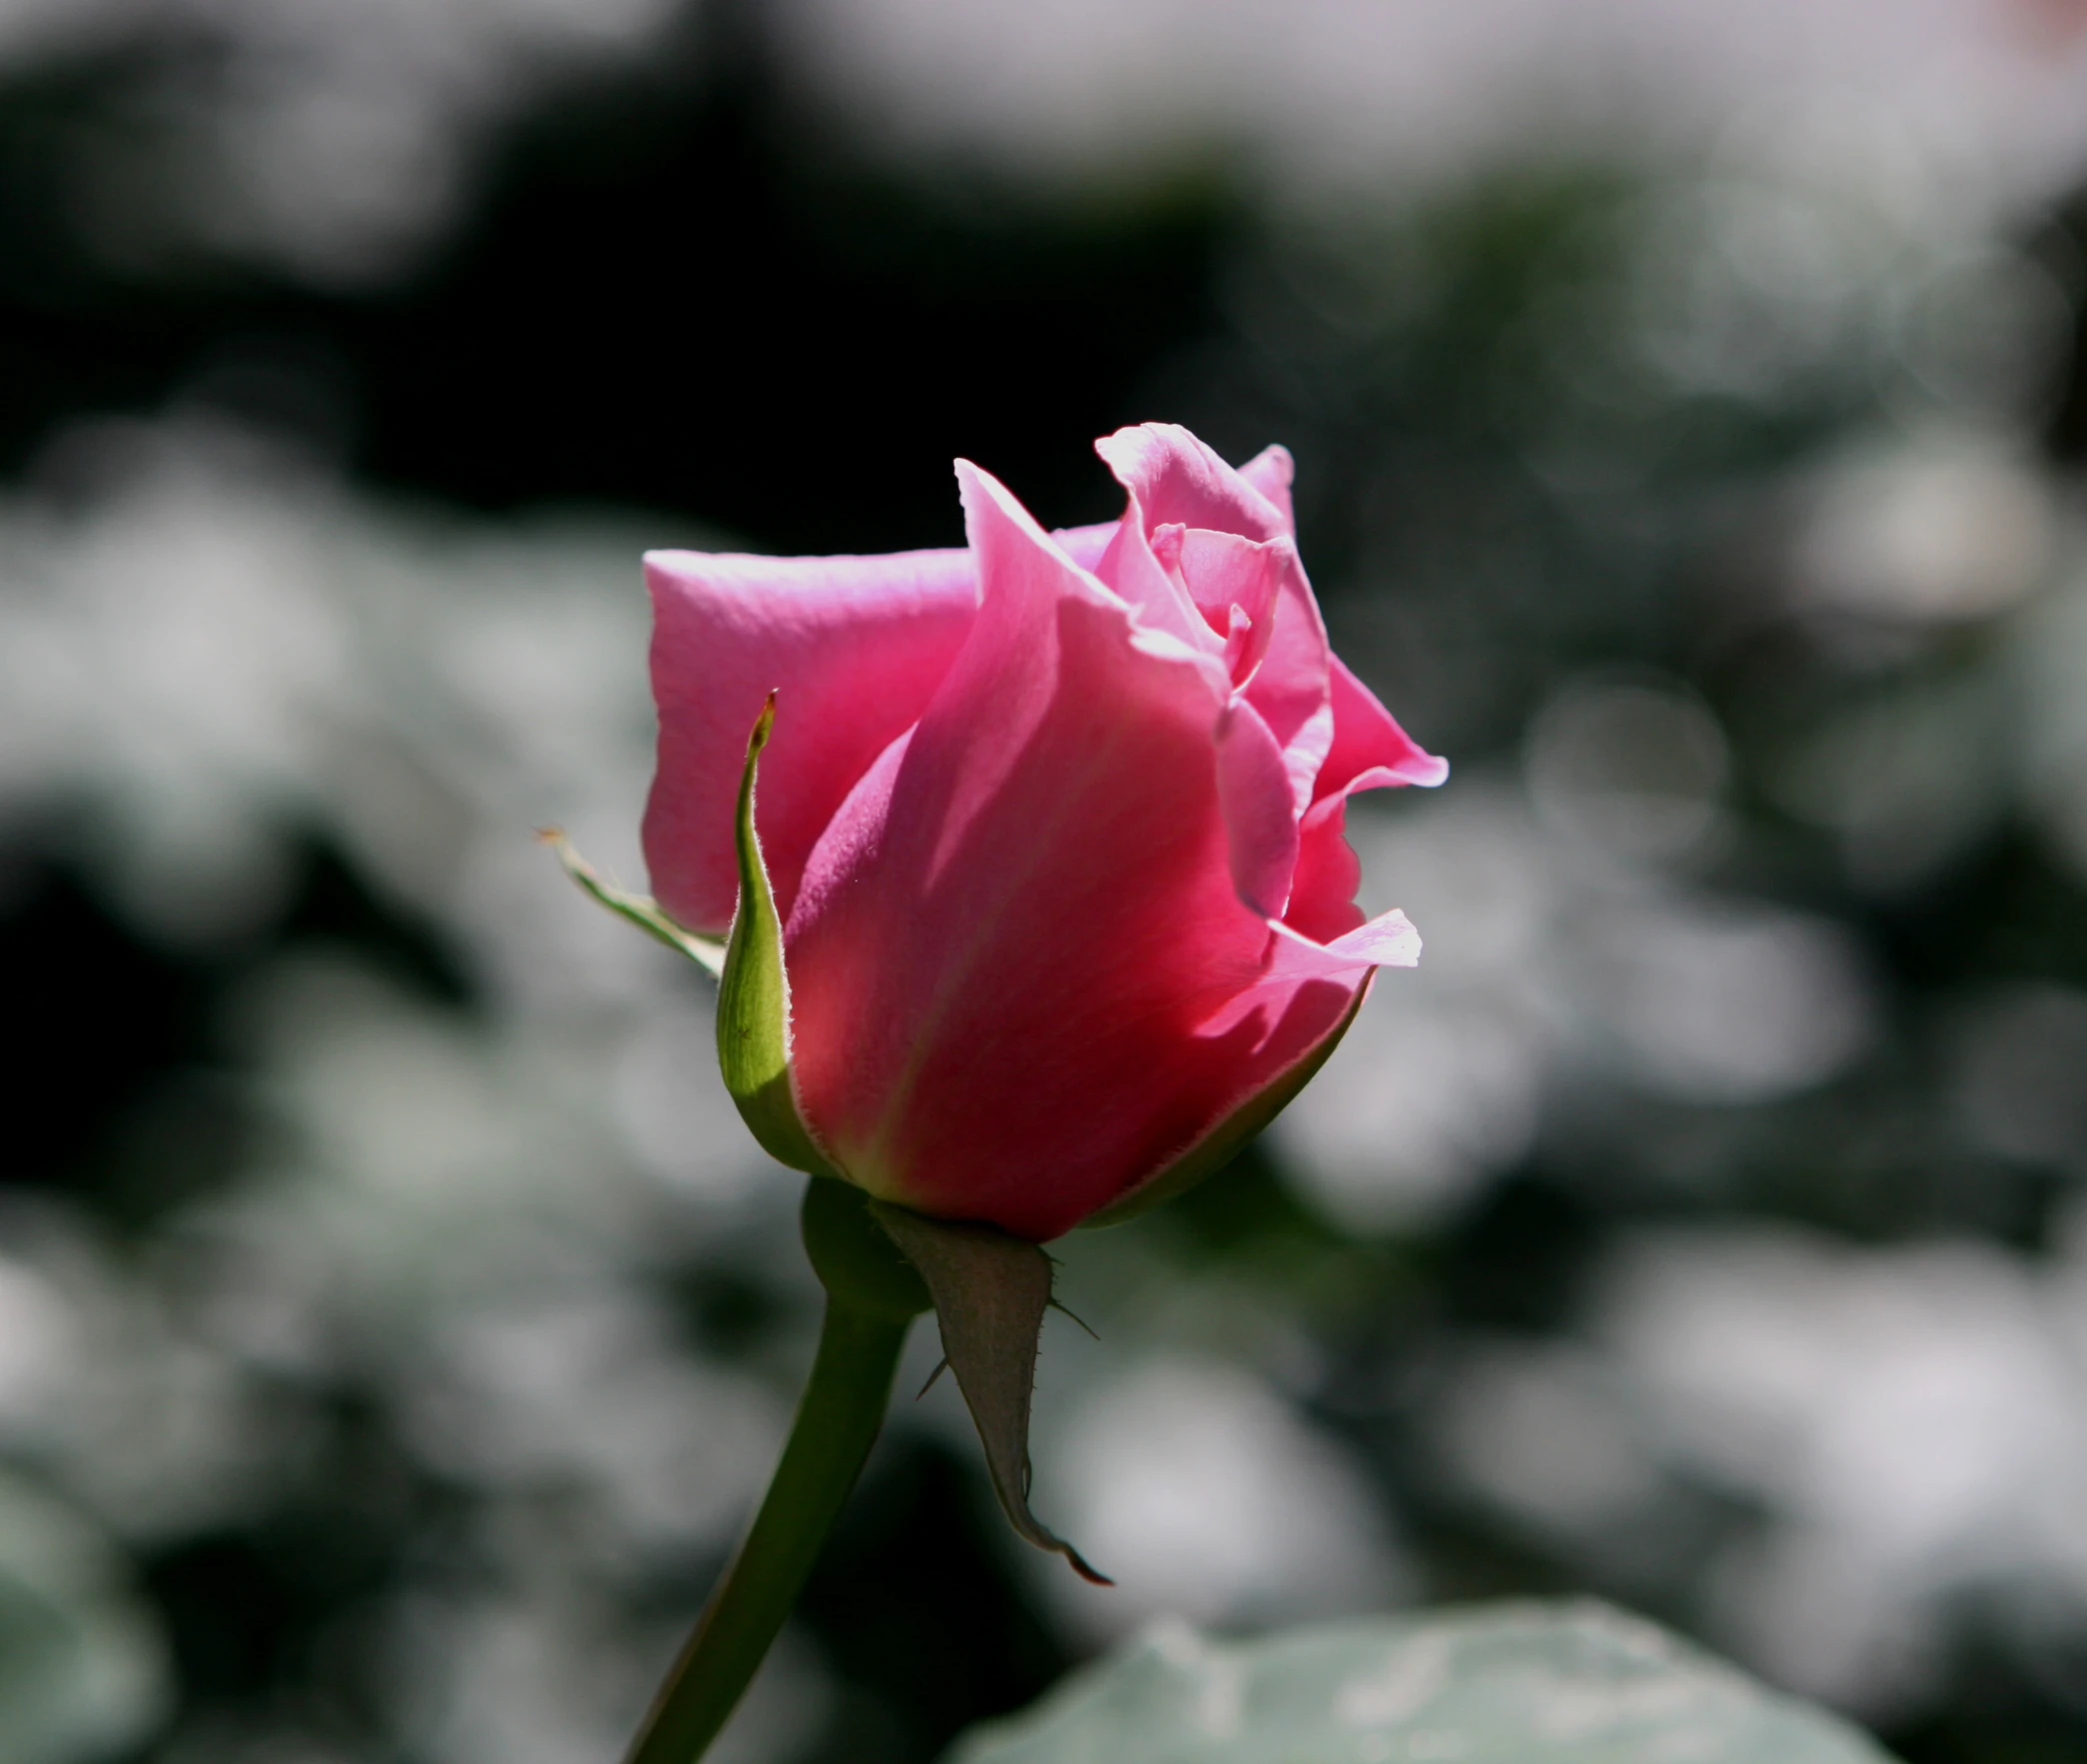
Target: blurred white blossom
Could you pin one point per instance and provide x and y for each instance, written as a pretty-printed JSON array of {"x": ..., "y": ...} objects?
[
  {"x": 1939, "y": 100},
  {"x": 211, "y": 656},
  {"x": 83, "y": 1674},
  {"x": 1936, "y": 531},
  {"x": 1910, "y": 1425},
  {"x": 335, "y": 139},
  {"x": 1438, "y": 1082},
  {"x": 1553, "y": 953},
  {"x": 2017, "y": 1056},
  {"x": 1206, "y": 1496}
]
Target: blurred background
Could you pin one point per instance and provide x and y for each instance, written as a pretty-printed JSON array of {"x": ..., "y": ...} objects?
[{"x": 395, "y": 1321}]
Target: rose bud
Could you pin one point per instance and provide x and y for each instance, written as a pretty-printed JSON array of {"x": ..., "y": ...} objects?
[
  {"x": 1052, "y": 832},
  {"x": 1039, "y": 904}
]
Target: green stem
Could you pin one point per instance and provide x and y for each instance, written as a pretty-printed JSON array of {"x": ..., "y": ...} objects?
[
  {"x": 837, "y": 1422},
  {"x": 871, "y": 1298}
]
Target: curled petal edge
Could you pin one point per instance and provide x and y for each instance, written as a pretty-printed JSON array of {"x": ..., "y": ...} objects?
[{"x": 1387, "y": 941}]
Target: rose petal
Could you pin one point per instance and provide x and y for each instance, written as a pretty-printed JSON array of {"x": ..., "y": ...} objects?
[
  {"x": 1006, "y": 1015},
  {"x": 1271, "y": 472},
  {"x": 1322, "y": 887},
  {"x": 1175, "y": 477},
  {"x": 1151, "y": 584},
  {"x": 1260, "y": 827},
  {"x": 1178, "y": 480},
  {"x": 854, "y": 649},
  {"x": 1322, "y": 892},
  {"x": 1292, "y": 688},
  {"x": 1084, "y": 545},
  {"x": 1368, "y": 739},
  {"x": 1387, "y": 941},
  {"x": 1225, "y": 574}
]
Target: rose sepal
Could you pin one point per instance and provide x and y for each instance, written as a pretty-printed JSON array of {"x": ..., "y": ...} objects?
[
  {"x": 754, "y": 994},
  {"x": 991, "y": 1291},
  {"x": 641, "y": 909}
]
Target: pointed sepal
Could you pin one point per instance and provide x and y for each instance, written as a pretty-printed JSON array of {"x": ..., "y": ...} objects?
[
  {"x": 991, "y": 1291},
  {"x": 641, "y": 909},
  {"x": 754, "y": 994}
]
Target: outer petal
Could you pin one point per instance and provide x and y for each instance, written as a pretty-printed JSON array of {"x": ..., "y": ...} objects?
[
  {"x": 1297, "y": 1026},
  {"x": 1271, "y": 472},
  {"x": 1366, "y": 740},
  {"x": 1019, "y": 968},
  {"x": 1369, "y": 753},
  {"x": 854, "y": 647}
]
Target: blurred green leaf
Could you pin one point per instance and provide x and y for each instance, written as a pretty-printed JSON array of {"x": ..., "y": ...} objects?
[{"x": 1506, "y": 1684}]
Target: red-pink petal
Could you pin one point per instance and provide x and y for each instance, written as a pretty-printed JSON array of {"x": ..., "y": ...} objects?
[
  {"x": 1260, "y": 826},
  {"x": 1366, "y": 738},
  {"x": 1322, "y": 890},
  {"x": 1173, "y": 477},
  {"x": 1008, "y": 955},
  {"x": 853, "y": 648}
]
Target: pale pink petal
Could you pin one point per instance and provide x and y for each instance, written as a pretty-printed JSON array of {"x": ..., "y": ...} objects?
[
  {"x": 1178, "y": 480},
  {"x": 1225, "y": 575},
  {"x": 1271, "y": 472},
  {"x": 1084, "y": 545},
  {"x": 1368, "y": 740},
  {"x": 1004, "y": 966},
  {"x": 1387, "y": 941},
  {"x": 1292, "y": 688},
  {"x": 1151, "y": 585},
  {"x": 854, "y": 649}
]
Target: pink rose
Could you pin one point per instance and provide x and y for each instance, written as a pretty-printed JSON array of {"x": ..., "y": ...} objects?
[{"x": 1054, "y": 827}]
